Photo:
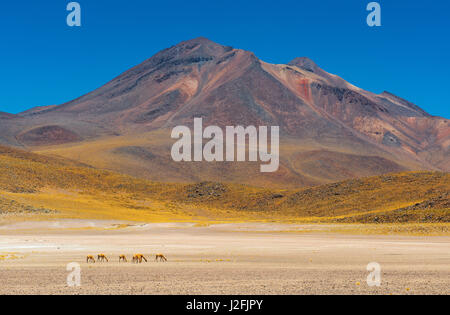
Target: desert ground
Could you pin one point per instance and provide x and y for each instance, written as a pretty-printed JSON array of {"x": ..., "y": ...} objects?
[{"x": 238, "y": 258}]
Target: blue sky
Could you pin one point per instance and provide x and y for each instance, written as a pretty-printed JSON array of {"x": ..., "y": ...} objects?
[{"x": 44, "y": 62}]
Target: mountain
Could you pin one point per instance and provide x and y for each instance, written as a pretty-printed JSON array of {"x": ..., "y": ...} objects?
[
  {"x": 36, "y": 110},
  {"x": 330, "y": 129},
  {"x": 5, "y": 116}
]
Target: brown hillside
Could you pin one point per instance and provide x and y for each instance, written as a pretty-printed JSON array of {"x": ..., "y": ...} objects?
[{"x": 54, "y": 187}]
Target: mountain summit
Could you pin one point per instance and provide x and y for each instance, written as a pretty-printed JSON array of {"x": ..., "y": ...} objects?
[{"x": 330, "y": 129}]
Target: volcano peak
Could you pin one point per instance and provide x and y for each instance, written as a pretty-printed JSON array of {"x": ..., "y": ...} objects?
[{"x": 305, "y": 63}]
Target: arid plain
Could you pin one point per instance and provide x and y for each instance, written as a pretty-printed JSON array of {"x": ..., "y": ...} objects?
[{"x": 236, "y": 258}]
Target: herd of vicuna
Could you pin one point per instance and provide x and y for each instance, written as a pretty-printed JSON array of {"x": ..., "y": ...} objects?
[{"x": 137, "y": 258}]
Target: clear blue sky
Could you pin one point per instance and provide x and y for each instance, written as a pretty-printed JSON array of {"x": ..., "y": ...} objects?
[{"x": 43, "y": 61}]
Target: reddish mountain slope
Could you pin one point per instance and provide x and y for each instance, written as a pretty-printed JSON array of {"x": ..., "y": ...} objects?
[{"x": 330, "y": 129}]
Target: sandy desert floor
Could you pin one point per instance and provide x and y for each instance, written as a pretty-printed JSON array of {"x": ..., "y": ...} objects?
[{"x": 217, "y": 259}]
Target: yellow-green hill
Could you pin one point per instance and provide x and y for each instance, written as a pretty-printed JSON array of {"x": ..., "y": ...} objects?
[{"x": 34, "y": 186}]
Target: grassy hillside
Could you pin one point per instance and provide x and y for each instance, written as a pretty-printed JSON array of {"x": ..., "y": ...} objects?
[
  {"x": 41, "y": 187},
  {"x": 303, "y": 162}
]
